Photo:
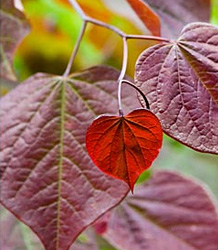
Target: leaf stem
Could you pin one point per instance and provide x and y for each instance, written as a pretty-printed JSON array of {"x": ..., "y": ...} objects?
[
  {"x": 106, "y": 26},
  {"x": 122, "y": 73},
  {"x": 139, "y": 90},
  {"x": 143, "y": 37},
  {"x": 78, "y": 9},
  {"x": 76, "y": 48}
]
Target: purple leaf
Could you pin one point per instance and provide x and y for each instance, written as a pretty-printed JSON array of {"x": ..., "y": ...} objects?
[
  {"x": 48, "y": 180},
  {"x": 180, "y": 80},
  {"x": 168, "y": 212},
  {"x": 14, "y": 27},
  {"x": 176, "y": 14}
]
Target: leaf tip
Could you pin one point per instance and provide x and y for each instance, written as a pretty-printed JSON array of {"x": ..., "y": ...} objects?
[
  {"x": 131, "y": 185},
  {"x": 132, "y": 190}
]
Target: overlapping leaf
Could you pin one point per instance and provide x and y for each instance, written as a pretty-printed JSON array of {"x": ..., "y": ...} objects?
[
  {"x": 125, "y": 146},
  {"x": 147, "y": 16},
  {"x": 14, "y": 27},
  {"x": 167, "y": 212},
  {"x": 180, "y": 80},
  {"x": 175, "y": 15},
  {"x": 47, "y": 179}
]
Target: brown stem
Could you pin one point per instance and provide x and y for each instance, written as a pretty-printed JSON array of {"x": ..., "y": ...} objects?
[
  {"x": 78, "y": 9},
  {"x": 143, "y": 37},
  {"x": 106, "y": 26},
  {"x": 75, "y": 50},
  {"x": 122, "y": 73}
]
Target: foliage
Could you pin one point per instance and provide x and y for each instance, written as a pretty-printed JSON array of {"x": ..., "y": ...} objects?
[
  {"x": 188, "y": 68},
  {"x": 125, "y": 146},
  {"x": 48, "y": 180}
]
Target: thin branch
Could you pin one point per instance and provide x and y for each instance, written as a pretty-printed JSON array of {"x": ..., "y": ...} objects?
[
  {"x": 106, "y": 26},
  {"x": 125, "y": 59},
  {"x": 88, "y": 19},
  {"x": 122, "y": 73},
  {"x": 143, "y": 37},
  {"x": 76, "y": 48},
  {"x": 78, "y": 9}
]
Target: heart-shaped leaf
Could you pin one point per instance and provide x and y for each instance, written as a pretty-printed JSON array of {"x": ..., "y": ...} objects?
[
  {"x": 124, "y": 146},
  {"x": 169, "y": 212},
  {"x": 147, "y": 16},
  {"x": 180, "y": 80},
  {"x": 175, "y": 15},
  {"x": 14, "y": 27},
  {"x": 47, "y": 179}
]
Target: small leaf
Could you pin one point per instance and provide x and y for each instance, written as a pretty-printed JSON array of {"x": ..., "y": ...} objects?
[
  {"x": 47, "y": 178},
  {"x": 124, "y": 146},
  {"x": 168, "y": 211},
  {"x": 175, "y": 15},
  {"x": 148, "y": 17},
  {"x": 14, "y": 27},
  {"x": 180, "y": 80}
]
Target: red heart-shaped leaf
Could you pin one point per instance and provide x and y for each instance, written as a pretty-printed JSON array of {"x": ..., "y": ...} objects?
[{"x": 124, "y": 146}]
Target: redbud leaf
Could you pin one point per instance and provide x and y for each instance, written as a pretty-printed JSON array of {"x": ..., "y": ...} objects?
[
  {"x": 14, "y": 27},
  {"x": 125, "y": 146},
  {"x": 180, "y": 80},
  {"x": 147, "y": 16},
  {"x": 169, "y": 211},
  {"x": 48, "y": 180}
]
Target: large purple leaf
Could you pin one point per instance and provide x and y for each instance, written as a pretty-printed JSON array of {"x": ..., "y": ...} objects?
[
  {"x": 47, "y": 179},
  {"x": 175, "y": 15},
  {"x": 14, "y": 27},
  {"x": 180, "y": 80},
  {"x": 168, "y": 212}
]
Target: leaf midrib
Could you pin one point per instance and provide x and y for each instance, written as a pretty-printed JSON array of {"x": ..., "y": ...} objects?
[{"x": 60, "y": 166}]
